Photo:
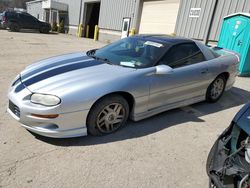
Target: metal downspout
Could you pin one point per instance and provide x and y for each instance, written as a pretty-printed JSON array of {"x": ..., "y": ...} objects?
[{"x": 211, "y": 22}]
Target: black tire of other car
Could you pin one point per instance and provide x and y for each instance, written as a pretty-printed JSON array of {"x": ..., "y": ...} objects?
[
  {"x": 216, "y": 89},
  {"x": 107, "y": 115},
  {"x": 14, "y": 27},
  {"x": 44, "y": 30}
]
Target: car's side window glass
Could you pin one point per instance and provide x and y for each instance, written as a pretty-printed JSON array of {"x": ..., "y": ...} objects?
[
  {"x": 27, "y": 17},
  {"x": 183, "y": 55}
]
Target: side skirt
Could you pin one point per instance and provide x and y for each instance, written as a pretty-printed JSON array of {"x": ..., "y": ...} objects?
[{"x": 152, "y": 112}]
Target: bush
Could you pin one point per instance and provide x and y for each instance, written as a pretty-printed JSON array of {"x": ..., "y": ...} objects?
[
  {"x": 61, "y": 27},
  {"x": 54, "y": 27}
]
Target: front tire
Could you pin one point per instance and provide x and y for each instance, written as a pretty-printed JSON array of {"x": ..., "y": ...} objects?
[
  {"x": 107, "y": 115},
  {"x": 216, "y": 89},
  {"x": 44, "y": 30}
]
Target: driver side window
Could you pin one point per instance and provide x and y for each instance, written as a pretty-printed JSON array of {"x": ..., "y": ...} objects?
[
  {"x": 27, "y": 18},
  {"x": 183, "y": 55}
]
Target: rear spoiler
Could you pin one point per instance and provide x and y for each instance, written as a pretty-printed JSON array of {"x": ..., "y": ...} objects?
[{"x": 223, "y": 51}]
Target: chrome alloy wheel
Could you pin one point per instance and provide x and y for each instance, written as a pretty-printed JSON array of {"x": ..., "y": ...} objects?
[
  {"x": 217, "y": 88},
  {"x": 111, "y": 117}
]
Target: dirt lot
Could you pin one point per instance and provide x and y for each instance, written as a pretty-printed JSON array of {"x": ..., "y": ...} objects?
[{"x": 167, "y": 150}]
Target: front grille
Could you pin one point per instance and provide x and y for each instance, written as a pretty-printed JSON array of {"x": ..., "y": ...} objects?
[{"x": 14, "y": 109}]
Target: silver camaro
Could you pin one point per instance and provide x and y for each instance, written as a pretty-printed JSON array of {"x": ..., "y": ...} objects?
[{"x": 137, "y": 77}]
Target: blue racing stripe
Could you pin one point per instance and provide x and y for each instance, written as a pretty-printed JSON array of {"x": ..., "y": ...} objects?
[
  {"x": 55, "y": 72},
  {"x": 60, "y": 70},
  {"x": 55, "y": 64}
]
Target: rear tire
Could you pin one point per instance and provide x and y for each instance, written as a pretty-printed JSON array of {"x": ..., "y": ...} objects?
[
  {"x": 14, "y": 27},
  {"x": 216, "y": 89},
  {"x": 107, "y": 115}
]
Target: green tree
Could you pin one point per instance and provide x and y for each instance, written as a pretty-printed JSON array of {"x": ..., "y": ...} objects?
[
  {"x": 54, "y": 27},
  {"x": 61, "y": 27}
]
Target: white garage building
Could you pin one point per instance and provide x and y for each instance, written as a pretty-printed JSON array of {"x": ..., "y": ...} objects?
[
  {"x": 155, "y": 16},
  {"x": 198, "y": 19}
]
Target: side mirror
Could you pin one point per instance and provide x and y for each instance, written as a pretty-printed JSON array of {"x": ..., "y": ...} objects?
[{"x": 163, "y": 69}]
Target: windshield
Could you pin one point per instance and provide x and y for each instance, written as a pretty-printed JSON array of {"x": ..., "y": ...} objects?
[{"x": 132, "y": 52}]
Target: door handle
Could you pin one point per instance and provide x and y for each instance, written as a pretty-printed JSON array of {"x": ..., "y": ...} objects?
[{"x": 204, "y": 71}]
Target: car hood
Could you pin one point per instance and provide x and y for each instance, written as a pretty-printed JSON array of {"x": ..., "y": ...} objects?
[
  {"x": 242, "y": 118},
  {"x": 56, "y": 74}
]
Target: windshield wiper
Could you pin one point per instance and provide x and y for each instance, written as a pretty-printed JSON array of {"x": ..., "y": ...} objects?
[
  {"x": 91, "y": 54},
  {"x": 105, "y": 60}
]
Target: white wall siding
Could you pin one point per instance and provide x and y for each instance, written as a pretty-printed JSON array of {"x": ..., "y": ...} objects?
[
  {"x": 35, "y": 9},
  {"x": 112, "y": 13},
  {"x": 74, "y": 7},
  {"x": 194, "y": 27},
  {"x": 198, "y": 28},
  {"x": 224, "y": 8}
]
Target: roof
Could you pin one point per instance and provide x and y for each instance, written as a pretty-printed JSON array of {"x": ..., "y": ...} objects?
[
  {"x": 165, "y": 38},
  {"x": 238, "y": 13}
]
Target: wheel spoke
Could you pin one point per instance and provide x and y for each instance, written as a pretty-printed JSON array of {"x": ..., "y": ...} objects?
[
  {"x": 120, "y": 117},
  {"x": 109, "y": 109},
  {"x": 105, "y": 111},
  {"x": 111, "y": 126},
  {"x": 102, "y": 119},
  {"x": 118, "y": 109},
  {"x": 107, "y": 127},
  {"x": 101, "y": 124},
  {"x": 117, "y": 121}
]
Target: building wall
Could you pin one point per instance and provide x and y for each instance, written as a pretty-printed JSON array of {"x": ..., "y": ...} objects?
[
  {"x": 111, "y": 17},
  {"x": 74, "y": 11},
  {"x": 112, "y": 13},
  {"x": 224, "y": 8},
  {"x": 194, "y": 27},
  {"x": 35, "y": 9},
  {"x": 198, "y": 28}
]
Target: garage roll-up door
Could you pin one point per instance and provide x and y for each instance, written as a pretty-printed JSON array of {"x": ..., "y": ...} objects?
[{"x": 159, "y": 16}]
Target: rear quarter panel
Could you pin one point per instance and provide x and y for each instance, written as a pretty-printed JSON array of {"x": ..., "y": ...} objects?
[{"x": 226, "y": 62}]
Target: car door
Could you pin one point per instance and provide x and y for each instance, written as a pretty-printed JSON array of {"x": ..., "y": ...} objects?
[
  {"x": 185, "y": 83},
  {"x": 28, "y": 22}
]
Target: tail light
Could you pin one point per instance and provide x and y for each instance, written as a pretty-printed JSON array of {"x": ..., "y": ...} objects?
[{"x": 4, "y": 18}]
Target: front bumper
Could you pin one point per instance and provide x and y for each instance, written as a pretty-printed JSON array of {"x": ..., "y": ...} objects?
[
  {"x": 70, "y": 124},
  {"x": 3, "y": 25}
]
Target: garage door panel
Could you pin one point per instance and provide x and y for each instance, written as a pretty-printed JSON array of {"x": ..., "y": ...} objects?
[{"x": 159, "y": 16}]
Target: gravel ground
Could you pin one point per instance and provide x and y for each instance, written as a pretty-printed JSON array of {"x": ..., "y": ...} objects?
[{"x": 167, "y": 150}]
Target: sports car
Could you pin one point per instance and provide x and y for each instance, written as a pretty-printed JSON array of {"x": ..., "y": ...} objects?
[
  {"x": 228, "y": 163},
  {"x": 137, "y": 77}
]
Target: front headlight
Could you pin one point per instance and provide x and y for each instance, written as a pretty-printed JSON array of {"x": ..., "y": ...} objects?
[{"x": 46, "y": 100}]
